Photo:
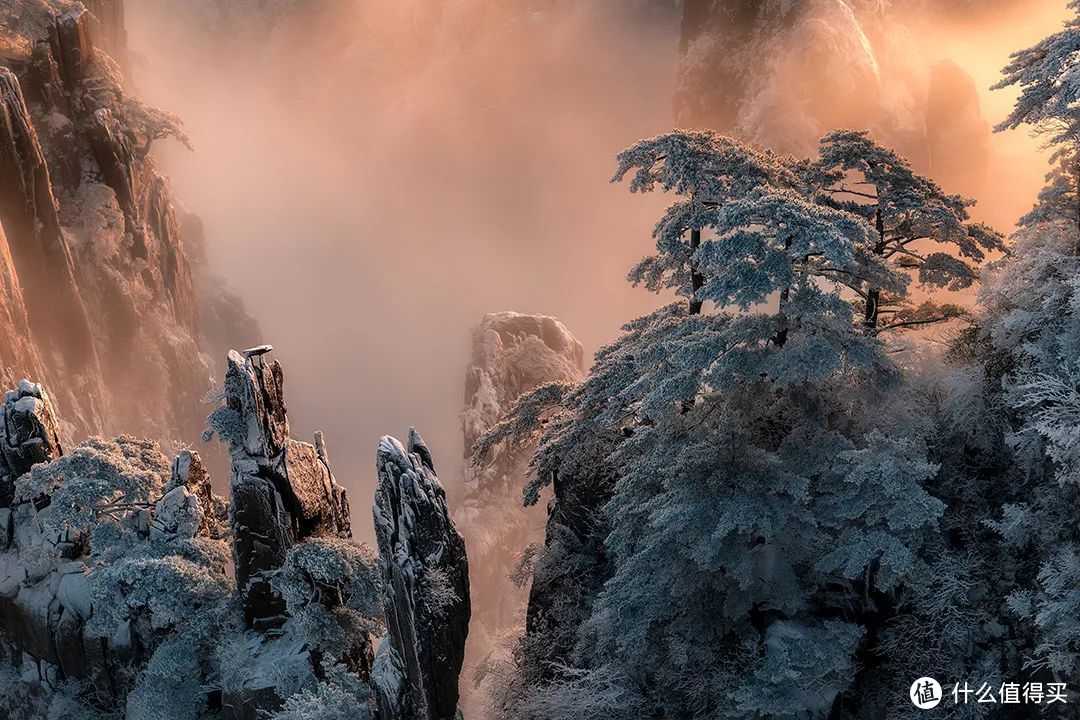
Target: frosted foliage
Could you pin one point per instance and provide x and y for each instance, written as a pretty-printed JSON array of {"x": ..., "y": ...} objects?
[
  {"x": 100, "y": 479},
  {"x": 343, "y": 698},
  {"x": 164, "y": 592},
  {"x": 83, "y": 545},
  {"x": 707, "y": 170},
  {"x": 248, "y": 662},
  {"x": 332, "y": 592},
  {"x": 916, "y": 225},
  {"x": 166, "y": 690},
  {"x": 1048, "y": 77},
  {"x": 772, "y": 472},
  {"x": 1033, "y": 323},
  {"x": 1028, "y": 344}
]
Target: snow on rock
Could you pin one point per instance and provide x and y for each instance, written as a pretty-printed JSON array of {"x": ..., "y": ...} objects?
[
  {"x": 70, "y": 518},
  {"x": 282, "y": 490},
  {"x": 189, "y": 506},
  {"x": 31, "y": 435},
  {"x": 512, "y": 355},
  {"x": 425, "y": 587}
]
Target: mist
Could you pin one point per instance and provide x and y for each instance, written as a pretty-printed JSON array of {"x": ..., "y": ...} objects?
[
  {"x": 371, "y": 204},
  {"x": 374, "y": 177}
]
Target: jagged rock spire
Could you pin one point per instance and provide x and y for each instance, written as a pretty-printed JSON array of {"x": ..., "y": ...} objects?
[
  {"x": 31, "y": 434},
  {"x": 425, "y": 587},
  {"x": 282, "y": 490}
]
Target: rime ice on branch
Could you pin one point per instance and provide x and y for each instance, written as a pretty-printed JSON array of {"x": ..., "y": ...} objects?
[
  {"x": 425, "y": 587},
  {"x": 282, "y": 490}
]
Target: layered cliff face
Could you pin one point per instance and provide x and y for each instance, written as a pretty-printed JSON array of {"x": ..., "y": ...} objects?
[
  {"x": 512, "y": 355},
  {"x": 94, "y": 271},
  {"x": 783, "y": 74},
  {"x": 119, "y": 594}
]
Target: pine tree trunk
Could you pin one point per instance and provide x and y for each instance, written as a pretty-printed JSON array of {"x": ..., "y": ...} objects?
[
  {"x": 873, "y": 295},
  {"x": 781, "y": 335},
  {"x": 785, "y": 295},
  {"x": 1076, "y": 202},
  {"x": 696, "y": 279}
]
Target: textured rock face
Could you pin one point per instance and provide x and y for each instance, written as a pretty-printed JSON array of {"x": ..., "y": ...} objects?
[
  {"x": 512, "y": 354},
  {"x": 31, "y": 435},
  {"x": 282, "y": 490},
  {"x": 957, "y": 133},
  {"x": 831, "y": 64},
  {"x": 189, "y": 507},
  {"x": 570, "y": 571},
  {"x": 425, "y": 588},
  {"x": 38, "y": 248},
  {"x": 45, "y": 566},
  {"x": 93, "y": 269}
]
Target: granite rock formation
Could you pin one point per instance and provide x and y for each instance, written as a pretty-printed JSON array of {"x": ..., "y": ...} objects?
[
  {"x": 94, "y": 273},
  {"x": 512, "y": 355},
  {"x": 570, "y": 571},
  {"x": 282, "y": 490},
  {"x": 188, "y": 508},
  {"x": 30, "y": 435},
  {"x": 116, "y": 596},
  {"x": 51, "y": 625},
  {"x": 830, "y": 64},
  {"x": 425, "y": 588}
]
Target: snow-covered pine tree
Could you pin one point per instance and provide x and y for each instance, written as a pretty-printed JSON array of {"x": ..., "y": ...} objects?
[
  {"x": 768, "y": 518},
  {"x": 706, "y": 170},
  {"x": 917, "y": 225},
  {"x": 1046, "y": 75},
  {"x": 1031, "y": 339}
]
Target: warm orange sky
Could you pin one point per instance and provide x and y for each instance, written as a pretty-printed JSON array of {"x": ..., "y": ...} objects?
[
  {"x": 982, "y": 45},
  {"x": 371, "y": 201}
]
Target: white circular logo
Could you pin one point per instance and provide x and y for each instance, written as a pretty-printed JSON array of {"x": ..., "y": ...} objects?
[{"x": 925, "y": 693}]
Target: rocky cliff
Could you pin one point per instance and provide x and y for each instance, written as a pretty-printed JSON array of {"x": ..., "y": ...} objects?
[
  {"x": 95, "y": 274},
  {"x": 282, "y": 490},
  {"x": 781, "y": 75},
  {"x": 512, "y": 354},
  {"x": 127, "y": 587},
  {"x": 425, "y": 587}
]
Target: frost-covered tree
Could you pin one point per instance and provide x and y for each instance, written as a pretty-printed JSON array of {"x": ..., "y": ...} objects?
[
  {"x": 768, "y": 515},
  {"x": 917, "y": 225},
  {"x": 707, "y": 170},
  {"x": 1048, "y": 77},
  {"x": 332, "y": 594},
  {"x": 1030, "y": 337}
]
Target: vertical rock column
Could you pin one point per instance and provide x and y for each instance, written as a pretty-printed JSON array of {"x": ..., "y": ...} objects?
[
  {"x": 512, "y": 355},
  {"x": 30, "y": 435},
  {"x": 282, "y": 490},
  {"x": 425, "y": 588}
]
